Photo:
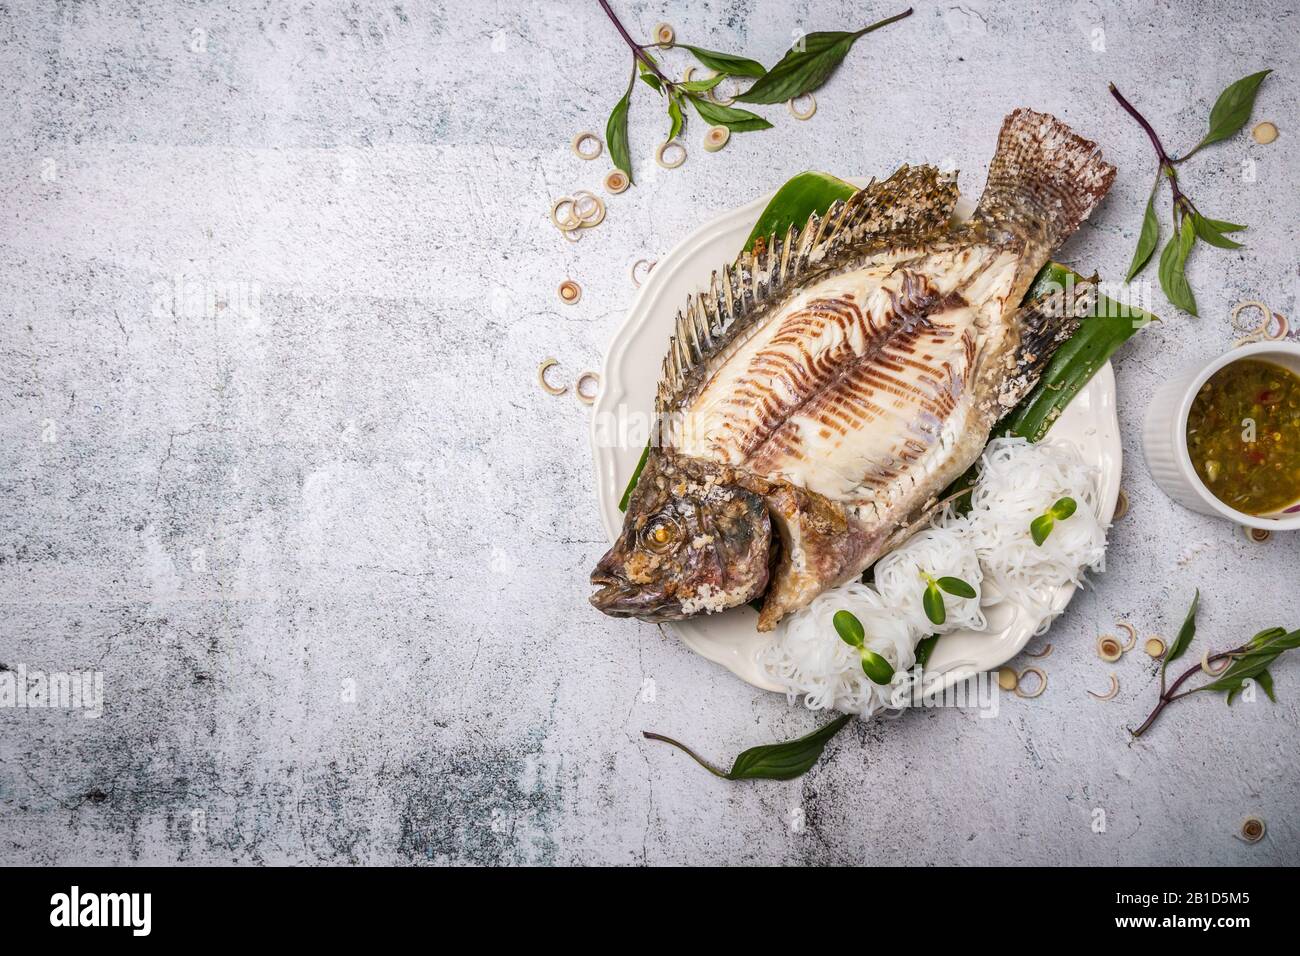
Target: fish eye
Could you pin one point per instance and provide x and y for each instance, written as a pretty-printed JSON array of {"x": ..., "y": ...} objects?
[{"x": 660, "y": 534}]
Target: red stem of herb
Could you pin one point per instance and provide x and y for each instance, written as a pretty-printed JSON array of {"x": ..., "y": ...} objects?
[
  {"x": 1167, "y": 697},
  {"x": 1166, "y": 161},
  {"x": 638, "y": 50}
]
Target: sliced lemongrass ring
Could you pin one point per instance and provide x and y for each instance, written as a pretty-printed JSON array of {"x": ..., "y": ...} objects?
[
  {"x": 1279, "y": 328},
  {"x": 1110, "y": 694},
  {"x": 572, "y": 235},
  {"x": 586, "y": 394},
  {"x": 1241, "y": 326},
  {"x": 716, "y": 138},
  {"x": 1155, "y": 647},
  {"x": 1264, "y": 133},
  {"x": 1132, "y": 633},
  {"x": 640, "y": 269},
  {"x": 802, "y": 107},
  {"x": 1042, "y": 683},
  {"x": 1257, "y": 535},
  {"x": 1007, "y": 678},
  {"x": 564, "y": 213},
  {"x": 713, "y": 94},
  {"x": 616, "y": 181},
  {"x": 1205, "y": 665},
  {"x": 587, "y": 145},
  {"x": 1047, "y": 649},
  {"x": 1252, "y": 830},
  {"x": 589, "y": 209},
  {"x": 1109, "y": 648},
  {"x": 549, "y": 363},
  {"x": 1121, "y": 505},
  {"x": 569, "y": 291},
  {"x": 687, "y": 74},
  {"x": 661, "y": 154},
  {"x": 664, "y": 36}
]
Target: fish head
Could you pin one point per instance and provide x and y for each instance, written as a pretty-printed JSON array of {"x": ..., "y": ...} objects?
[{"x": 692, "y": 541}]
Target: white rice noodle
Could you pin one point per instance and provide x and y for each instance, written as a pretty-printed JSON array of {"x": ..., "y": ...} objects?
[
  {"x": 938, "y": 552},
  {"x": 990, "y": 548},
  {"x": 1019, "y": 481}
]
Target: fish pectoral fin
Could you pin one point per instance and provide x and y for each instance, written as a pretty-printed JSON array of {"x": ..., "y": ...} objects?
[
  {"x": 1045, "y": 323},
  {"x": 822, "y": 545}
]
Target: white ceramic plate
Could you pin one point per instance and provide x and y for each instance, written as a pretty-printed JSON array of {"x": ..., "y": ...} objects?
[{"x": 631, "y": 373}]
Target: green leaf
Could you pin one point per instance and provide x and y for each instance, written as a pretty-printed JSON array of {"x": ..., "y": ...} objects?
[
  {"x": 616, "y": 135},
  {"x": 738, "y": 121},
  {"x": 726, "y": 63},
  {"x": 932, "y": 601},
  {"x": 1265, "y": 680},
  {"x": 1147, "y": 240},
  {"x": 1041, "y": 527},
  {"x": 636, "y": 473},
  {"x": 783, "y": 761},
  {"x": 849, "y": 628},
  {"x": 925, "y": 648},
  {"x": 787, "y": 760},
  {"x": 1173, "y": 262},
  {"x": 700, "y": 86},
  {"x": 877, "y": 669},
  {"x": 1206, "y": 230},
  {"x": 651, "y": 81},
  {"x": 1064, "y": 508},
  {"x": 956, "y": 586},
  {"x": 1184, "y": 638},
  {"x": 794, "y": 202},
  {"x": 1221, "y": 226},
  {"x": 1233, "y": 107},
  {"x": 675, "y": 117},
  {"x": 802, "y": 71}
]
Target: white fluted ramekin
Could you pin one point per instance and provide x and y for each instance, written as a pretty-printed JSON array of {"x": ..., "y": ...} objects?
[{"x": 1164, "y": 436}]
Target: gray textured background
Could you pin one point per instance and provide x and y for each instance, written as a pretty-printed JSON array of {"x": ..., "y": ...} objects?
[{"x": 361, "y": 481}]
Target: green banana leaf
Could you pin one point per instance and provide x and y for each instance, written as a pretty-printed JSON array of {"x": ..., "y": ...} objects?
[{"x": 1070, "y": 369}]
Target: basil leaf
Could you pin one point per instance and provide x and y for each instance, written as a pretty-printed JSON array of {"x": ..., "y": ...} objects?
[
  {"x": 802, "y": 71},
  {"x": 1184, "y": 638},
  {"x": 1206, "y": 230},
  {"x": 675, "y": 117},
  {"x": 788, "y": 760},
  {"x": 700, "y": 86},
  {"x": 877, "y": 669},
  {"x": 1173, "y": 263},
  {"x": 726, "y": 63},
  {"x": 1041, "y": 527},
  {"x": 932, "y": 601},
  {"x": 1225, "y": 226},
  {"x": 652, "y": 81},
  {"x": 1265, "y": 680},
  {"x": 1233, "y": 108},
  {"x": 738, "y": 121},
  {"x": 849, "y": 628},
  {"x": 616, "y": 135},
  {"x": 1147, "y": 240},
  {"x": 956, "y": 586}
]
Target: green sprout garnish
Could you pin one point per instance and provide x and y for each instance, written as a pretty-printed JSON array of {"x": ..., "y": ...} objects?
[
  {"x": 1042, "y": 526},
  {"x": 932, "y": 598},
  {"x": 852, "y": 633}
]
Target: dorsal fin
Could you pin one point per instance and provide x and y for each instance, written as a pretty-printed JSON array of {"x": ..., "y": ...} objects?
[{"x": 913, "y": 204}]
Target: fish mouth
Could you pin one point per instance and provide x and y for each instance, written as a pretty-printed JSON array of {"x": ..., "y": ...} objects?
[{"x": 619, "y": 598}]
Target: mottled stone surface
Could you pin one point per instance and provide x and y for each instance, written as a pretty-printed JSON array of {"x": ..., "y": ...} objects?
[{"x": 327, "y": 541}]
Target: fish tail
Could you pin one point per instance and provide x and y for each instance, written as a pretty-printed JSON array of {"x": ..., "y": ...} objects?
[{"x": 1043, "y": 182}]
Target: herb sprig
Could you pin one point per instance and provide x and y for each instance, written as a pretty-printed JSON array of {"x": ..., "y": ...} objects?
[
  {"x": 852, "y": 633},
  {"x": 1249, "y": 662},
  {"x": 1228, "y": 116},
  {"x": 805, "y": 68},
  {"x": 1042, "y": 526},
  {"x": 932, "y": 596}
]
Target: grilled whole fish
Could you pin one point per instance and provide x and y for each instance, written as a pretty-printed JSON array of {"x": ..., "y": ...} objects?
[{"x": 819, "y": 397}]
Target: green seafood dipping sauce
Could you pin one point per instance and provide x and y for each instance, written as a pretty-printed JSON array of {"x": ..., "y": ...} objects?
[{"x": 1243, "y": 435}]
